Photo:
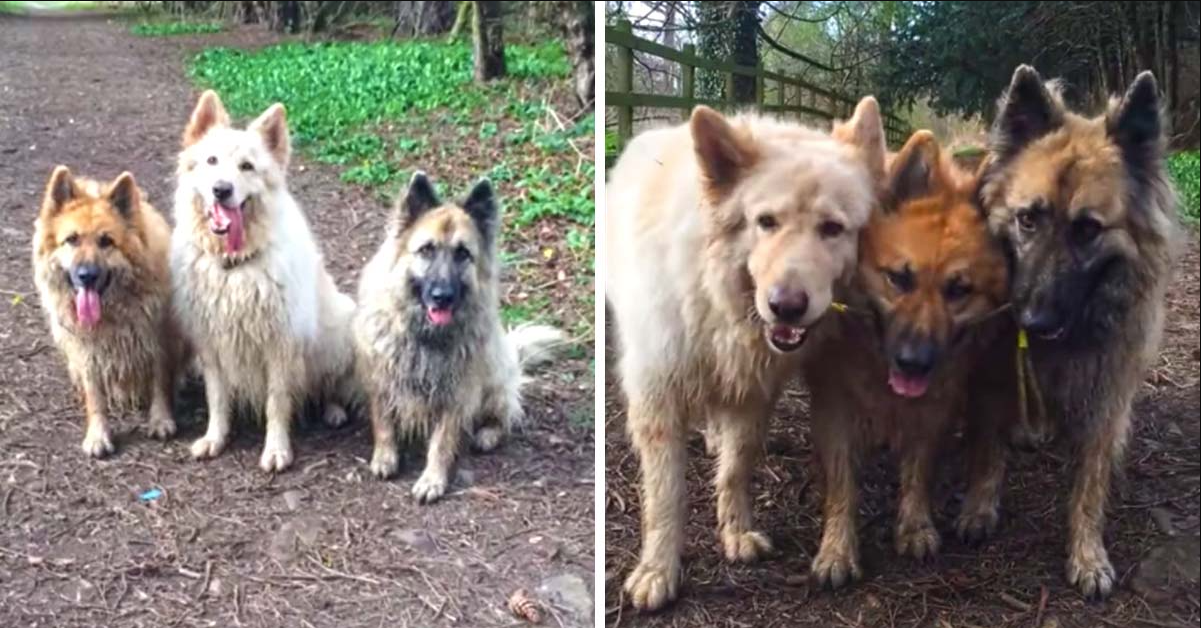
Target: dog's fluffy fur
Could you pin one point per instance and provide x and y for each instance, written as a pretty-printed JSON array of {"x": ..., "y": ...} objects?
[
  {"x": 1087, "y": 213},
  {"x": 924, "y": 312},
  {"x": 100, "y": 266},
  {"x": 250, "y": 286},
  {"x": 725, "y": 240},
  {"x": 432, "y": 353}
]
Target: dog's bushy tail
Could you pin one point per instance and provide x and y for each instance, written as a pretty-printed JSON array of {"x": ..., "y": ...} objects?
[{"x": 535, "y": 345}]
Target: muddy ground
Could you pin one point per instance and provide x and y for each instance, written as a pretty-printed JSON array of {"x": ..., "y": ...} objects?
[
  {"x": 227, "y": 545},
  {"x": 1015, "y": 580}
]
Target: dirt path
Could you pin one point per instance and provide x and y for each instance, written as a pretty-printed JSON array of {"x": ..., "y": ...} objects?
[
  {"x": 226, "y": 545},
  {"x": 1152, "y": 535}
]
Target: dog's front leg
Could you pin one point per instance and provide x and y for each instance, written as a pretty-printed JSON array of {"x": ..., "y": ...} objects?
[
  {"x": 1088, "y": 566},
  {"x": 739, "y": 445},
  {"x": 443, "y": 449},
  {"x": 216, "y": 395},
  {"x": 385, "y": 458},
  {"x": 277, "y": 447},
  {"x": 658, "y": 437},
  {"x": 988, "y": 416},
  {"x": 162, "y": 421},
  {"x": 837, "y": 560},
  {"x": 97, "y": 442},
  {"x": 916, "y": 535}
]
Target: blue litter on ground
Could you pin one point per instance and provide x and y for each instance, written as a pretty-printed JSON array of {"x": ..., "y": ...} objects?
[{"x": 151, "y": 495}]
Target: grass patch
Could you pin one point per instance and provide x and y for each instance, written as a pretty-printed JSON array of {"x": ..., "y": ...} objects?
[
  {"x": 166, "y": 29},
  {"x": 1185, "y": 168},
  {"x": 20, "y": 8}
]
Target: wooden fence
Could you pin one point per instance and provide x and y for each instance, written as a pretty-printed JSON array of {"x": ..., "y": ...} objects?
[{"x": 810, "y": 100}]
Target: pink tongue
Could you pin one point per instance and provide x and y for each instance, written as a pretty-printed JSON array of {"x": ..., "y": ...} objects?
[
  {"x": 438, "y": 316},
  {"x": 224, "y": 218},
  {"x": 907, "y": 386},
  {"x": 87, "y": 307}
]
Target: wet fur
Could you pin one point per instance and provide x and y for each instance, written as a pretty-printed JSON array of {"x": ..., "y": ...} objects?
[
  {"x": 439, "y": 383},
  {"x": 129, "y": 360},
  {"x": 688, "y": 271},
  {"x": 270, "y": 327},
  {"x": 1069, "y": 166},
  {"x": 930, "y": 225}
]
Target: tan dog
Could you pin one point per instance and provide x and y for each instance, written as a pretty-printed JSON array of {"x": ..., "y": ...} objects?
[
  {"x": 725, "y": 239},
  {"x": 100, "y": 266}
]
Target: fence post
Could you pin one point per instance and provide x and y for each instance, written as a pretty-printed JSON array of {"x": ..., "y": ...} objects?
[
  {"x": 625, "y": 85},
  {"x": 760, "y": 86},
  {"x": 781, "y": 88},
  {"x": 688, "y": 77}
]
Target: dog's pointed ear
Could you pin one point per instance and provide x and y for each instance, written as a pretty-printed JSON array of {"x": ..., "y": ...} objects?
[
  {"x": 417, "y": 200},
  {"x": 915, "y": 171},
  {"x": 208, "y": 114},
  {"x": 865, "y": 131},
  {"x": 1026, "y": 111},
  {"x": 59, "y": 191},
  {"x": 1135, "y": 124},
  {"x": 123, "y": 194},
  {"x": 481, "y": 206},
  {"x": 272, "y": 125},
  {"x": 723, "y": 152}
]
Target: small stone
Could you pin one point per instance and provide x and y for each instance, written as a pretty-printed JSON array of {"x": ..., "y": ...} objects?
[
  {"x": 416, "y": 538},
  {"x": 570, "y": 592},
  {"x": 292, "y": 499}
]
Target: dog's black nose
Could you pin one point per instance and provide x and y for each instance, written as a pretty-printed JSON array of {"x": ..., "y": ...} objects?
[
  {"x": 222, "y": 190},
  {"x": 915, "y": 359},
  {"x": 85, "y": 275},
  {"x": 788, "y": 306},
  {"x": 441, "y": 296},
  {"x": 1042, "y": 321}
]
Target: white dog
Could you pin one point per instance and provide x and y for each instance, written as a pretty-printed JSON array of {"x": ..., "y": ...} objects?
[{"x": 250, "y": 286}]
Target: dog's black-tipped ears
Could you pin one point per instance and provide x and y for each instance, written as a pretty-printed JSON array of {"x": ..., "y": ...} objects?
[
  {"x": 481, "y": 206},
  {"x": 418, "y": 199},
  {"x": 1027, "y": 111},
  {"x": 59, "y": 190},
  {"x": 913, "y": 173},
  {"x": 124, "y": 195},
  {"x": 1136, "y": 126}
]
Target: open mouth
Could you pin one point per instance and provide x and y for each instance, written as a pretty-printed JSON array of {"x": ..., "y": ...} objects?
[
  {"x": 911, "y": 386},
  {"x": 786, "y": 338},
  {"x": 87, "y": 307},
  {"x": 227, "y": 222},
  {"x": 439, "y": 316}
]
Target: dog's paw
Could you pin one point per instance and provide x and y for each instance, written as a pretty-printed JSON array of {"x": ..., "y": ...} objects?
[
  {"x": 97, "y": 443},
  {"x": 835, "y": 567},
  {"x": 429, "y": 487},
  {"x": 384, "y": 462},
  {"x": 918, "y": 540},
  {"x": 488, "y": 438},
  {"x": 276, "y": 458},
  {"x": 651, "y": 585},
  {"x": 746, "y": 546},
  {"x": 161, "y": 428},
  {"x": 207, "y": 447},
  {"x": 334, "y": 415},
  {"x": 1089, "y": 570},
  {"x": 975, "y": 526},
  {"x": 1031, "y": 436}
]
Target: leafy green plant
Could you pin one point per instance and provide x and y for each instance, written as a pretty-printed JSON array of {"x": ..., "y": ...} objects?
[
  {"x": 162, "y": 29},
  {"x": 1186, "y": 173}
]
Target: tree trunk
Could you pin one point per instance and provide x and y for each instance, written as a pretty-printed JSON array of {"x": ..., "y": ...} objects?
[
  {"x": 423, "y": 19},
  {"x": 488, "y": 37},
  {"x": 287, "y": 16},
  {"x": 462, "y": 15},
  {"x": 249, "y": 12},
  {"x": 577, "y": 20},
  {"x": 745, "y": 49}
]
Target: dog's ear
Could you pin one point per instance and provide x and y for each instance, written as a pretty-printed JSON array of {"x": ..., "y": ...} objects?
[
  {"x": 208, "y": 114},
  {"x": 1135, "y": 125},
  {"x": 272, "y": 125},
  {"x": 59, "y": 191},
  {"x": 865, "y": 131},
  {"x": 417, "y": 200},
  {"x": 915, "y": 171},
  {"x": 723, "y": 152},
  {"x": 124, "y": 196},
  {"x": 481, "y": 206},
  {"x": 1026, "y": 111}
]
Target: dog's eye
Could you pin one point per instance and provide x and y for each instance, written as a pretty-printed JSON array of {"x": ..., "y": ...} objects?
[
  {"x": 955, "y": 290},
  {"x": 462, "y": 255},
  {"x": 1027, "y": 220},
  {"x": 1085, "y": 230},
  {"x": 246, "y": 166},
  {"x": 72, "y": 239},
  {"x": 830, "y": 229},
  {"x": 767, "y": 222},
  {"x": 104, "y": 241},
  {"x": 212, "y": 161},
  {"x": 901, "y": 279},
  {"x": 426, "y": 250}
]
